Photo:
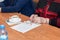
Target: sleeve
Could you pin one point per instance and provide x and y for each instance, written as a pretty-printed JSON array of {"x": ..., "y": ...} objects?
[
  {"x": 55, "y": 22},
  {"x": 19, "y": 4}
]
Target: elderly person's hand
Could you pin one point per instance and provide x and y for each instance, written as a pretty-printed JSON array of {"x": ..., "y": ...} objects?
[{"x": 36, "y": 19}]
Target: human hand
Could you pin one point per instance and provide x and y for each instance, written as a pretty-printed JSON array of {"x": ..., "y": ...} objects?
[
  {"x": 41, "y": 20},
  {"x": 33, "y": 17}
]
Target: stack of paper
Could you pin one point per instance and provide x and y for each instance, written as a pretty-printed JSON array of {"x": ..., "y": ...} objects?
[{"x": 25, "y": 27}]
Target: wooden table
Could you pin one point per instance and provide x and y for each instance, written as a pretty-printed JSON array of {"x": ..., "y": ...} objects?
[{"x": 43, "y": 32}]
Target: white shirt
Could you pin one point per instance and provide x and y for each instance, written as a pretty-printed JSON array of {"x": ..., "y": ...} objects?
[{"x": 1, "y": 0}]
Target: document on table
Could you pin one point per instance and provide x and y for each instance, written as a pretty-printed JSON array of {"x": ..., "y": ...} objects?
[{"x": 25, "y": 26}]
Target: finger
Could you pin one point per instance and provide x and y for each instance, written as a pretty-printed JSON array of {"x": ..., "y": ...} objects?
[
  {"x": 35, "y": 16},
  {"x": 32, "y": 16},
  {"x": 36, "y": 20}
]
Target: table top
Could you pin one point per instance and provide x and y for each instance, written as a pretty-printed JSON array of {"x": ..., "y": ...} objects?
[{"x": 43, "y": 32}]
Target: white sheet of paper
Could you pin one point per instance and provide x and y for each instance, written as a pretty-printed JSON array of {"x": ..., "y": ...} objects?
[{"x": 25, "y": 27}]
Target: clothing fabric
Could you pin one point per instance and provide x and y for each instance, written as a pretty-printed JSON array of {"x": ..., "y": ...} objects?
[
  {"x": 2, "y": 4},
  {"x": 23, "y": 6},
  {"x": 48, "y": 12}
]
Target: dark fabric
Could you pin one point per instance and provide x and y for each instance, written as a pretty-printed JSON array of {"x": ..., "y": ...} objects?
[
  {"x": 58, "y": 22},
  {"x": 2, "y": 4},
  {"x": 53, "y": 12},
  {"x": 23, "y": 6},
  {"x": 35, "y": 5},
  {"x": 7, "y": 2},
  {"x": 55, "y": 7},
  {"x": 42, "y": 3},
  {"x": 53, "y": 22}
]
